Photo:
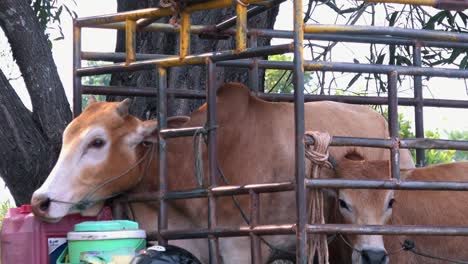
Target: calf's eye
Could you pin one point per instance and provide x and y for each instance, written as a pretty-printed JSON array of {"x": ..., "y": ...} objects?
[
  {"x": 343, "y": 204},
  {"x": 97, "y": 143}
]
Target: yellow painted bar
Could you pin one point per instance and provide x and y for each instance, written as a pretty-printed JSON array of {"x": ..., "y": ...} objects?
[
  {"x": 409, "y": 2},
  {"x": 130, "y": 39},
  {"x": 174, "y": 62},
  {"x": 327, "y": 28},
  {"x": 241, "y": 27},
  {"x": 218, "y": 4},
  {"x": 184, "y": 34}
]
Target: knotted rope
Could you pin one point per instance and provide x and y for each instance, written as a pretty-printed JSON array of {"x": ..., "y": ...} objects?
[
  {"x": 176, "y": 6},
  {"x": 318, "y": 155}
]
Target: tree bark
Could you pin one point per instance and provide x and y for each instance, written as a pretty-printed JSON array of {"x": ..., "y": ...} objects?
[
  {"x": 30, "y": 141},
  {"x": 32, "y": 52},
  {"x": 189, "y": 77}
]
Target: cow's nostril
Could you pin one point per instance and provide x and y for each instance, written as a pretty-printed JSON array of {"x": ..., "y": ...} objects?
[
  {"x": 374, "y": 256},
  {"x": 44, "y": 205}
]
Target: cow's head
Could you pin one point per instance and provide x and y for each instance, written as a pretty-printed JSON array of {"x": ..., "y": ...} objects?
[
  {"x": 363, "y": 207},
  {"x": 105, "y": 151}
]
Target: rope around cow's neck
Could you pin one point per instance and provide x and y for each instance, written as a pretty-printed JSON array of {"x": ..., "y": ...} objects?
[{"x": 86, "y": 202}]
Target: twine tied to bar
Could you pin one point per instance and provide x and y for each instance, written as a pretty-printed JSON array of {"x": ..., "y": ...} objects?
[
  {"x": 318, "y": 155},
  {"x": 176, "y": 6}
]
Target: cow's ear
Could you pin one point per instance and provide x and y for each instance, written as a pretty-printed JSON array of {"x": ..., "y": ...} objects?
[
  {"x": 177, "y": 121},
  {"x": 148, "y": 131}
]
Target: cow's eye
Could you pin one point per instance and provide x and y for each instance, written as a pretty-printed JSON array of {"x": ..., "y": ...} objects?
[
  {"x": 343, "y": 204},
  {"x": 97, "y": 143},
  {"x": 390, "y": 203}
]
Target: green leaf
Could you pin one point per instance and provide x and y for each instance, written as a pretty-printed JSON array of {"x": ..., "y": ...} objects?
[
  {"x": 353, "y": 80},
  {"x": 430, "y": 24},
  {"x": 380, "y": 59},
  {"x": 400, "y": 60},
  {"x": 392, "y": 20},
  {"x": 464, "y": 63}
]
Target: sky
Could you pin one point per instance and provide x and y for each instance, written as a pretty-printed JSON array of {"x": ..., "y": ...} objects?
[{"x": 104, "y": 40}]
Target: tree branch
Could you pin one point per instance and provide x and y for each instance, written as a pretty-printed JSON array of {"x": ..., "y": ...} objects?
[
  {"x": 32, "y": 52},
  {"x": 26, "y": 157}
]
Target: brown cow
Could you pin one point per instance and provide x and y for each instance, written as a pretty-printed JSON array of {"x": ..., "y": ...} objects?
[
  {"x": 378, "y": 207},
  {"x": 255, "y": 145}
]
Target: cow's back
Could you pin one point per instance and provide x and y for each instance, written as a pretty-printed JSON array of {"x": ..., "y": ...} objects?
[{"x": 432, "y": 208}]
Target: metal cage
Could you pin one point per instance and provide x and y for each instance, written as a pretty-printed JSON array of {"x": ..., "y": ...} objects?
[{"x": 143, "y": 20}]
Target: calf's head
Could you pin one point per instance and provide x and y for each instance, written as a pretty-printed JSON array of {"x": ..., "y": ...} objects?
[
  {"x": 105, "y": 151},
  {"x": 363, "y": 207}
]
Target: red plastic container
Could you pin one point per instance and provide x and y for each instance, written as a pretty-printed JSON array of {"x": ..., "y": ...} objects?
[{"x": 26, "y": 239}]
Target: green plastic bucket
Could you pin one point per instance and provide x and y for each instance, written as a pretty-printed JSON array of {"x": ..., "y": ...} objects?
[{"x": 105, "y": 240}]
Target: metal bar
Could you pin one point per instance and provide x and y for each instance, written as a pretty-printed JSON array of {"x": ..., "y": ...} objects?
[
  {"x": 352, "y": 67},
  {"x": 241, "y": 26},
  {"x": 225, "y": 190},
  {"x": 263, "y": 230},
  {"x": 162, "y": 153},
  {"x": 76, "y": 65},
  {"x": 434, "y": 144},
  {"x": 287, "y": 229},
  {"x": 387, "y": 184},
  {"x": 212, "y": 158},
  {"x": 130, "y": 41},
  {"x": 192, "y": 94},
  {"x": 389, "y": 230},
  {"x": 184, "y": 34},
  {"x": 418, "y": 109},
  {"x": 287, "y": 34},
  {"x": 390, "y": 31},
  {"x": 254, "y": 75},
  {"x": 122, "y": 16},
  {"x": 180, "y": 132},
  {"x": 255, "y": 249},
  {"x": 393, "y": 123},
  {"x": 154, "y": 12},
  {"x": 173, "y": 61},
  {"x": 250, "y": 13},
  {"x": 299, "y": 130}
]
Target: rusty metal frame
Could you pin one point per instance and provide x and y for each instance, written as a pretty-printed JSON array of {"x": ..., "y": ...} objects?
[{"x": 241, "y": 56}]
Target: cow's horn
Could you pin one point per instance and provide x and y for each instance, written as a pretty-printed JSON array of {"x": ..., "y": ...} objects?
[{"x": 122, "y": 107}]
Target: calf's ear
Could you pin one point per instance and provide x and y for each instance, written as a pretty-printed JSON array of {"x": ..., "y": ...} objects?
[
  {"x": 148, "y": 131},
  {"x": 177, "y": 121}
]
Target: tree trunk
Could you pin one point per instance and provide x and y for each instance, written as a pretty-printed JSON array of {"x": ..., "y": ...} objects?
[
  {"x": 189, "y": 77},
  {"x": 30, "y": 141}
]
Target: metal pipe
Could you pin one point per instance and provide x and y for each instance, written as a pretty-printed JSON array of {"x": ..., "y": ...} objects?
[
  {"x": 184, "y": 34},
  {"x": 418, "y": 109},
  {"x": 180, "y": 132},
  {"x": 255, "y": 250},
  {"x": 393, "y": 123},
  {"x": 388, "y": 230},
  {"x": 225, "y": 190},
  {"x": 76, "y": 65},
  {"x": 254, "y": 75},
  {"x": 173, "y": 61},
  {"x": 299, "y": 131},
  {"x": 387, "y": 184},
  {"x": 193, "y": 94},
  {"x": 250, "y": 13},
  {"x": 287, "y": 34},
  {"x": 288, "y": 229},
  {"x": 241, "y": 26},
  {"x": 130, "y": 41},
  {"x": 353, "y": 67},
  {"x": 212, "y": 158},
  {"x": 162, "y": 152},
  {"x": 389, "y": 31}
]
